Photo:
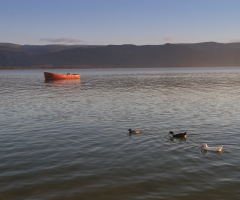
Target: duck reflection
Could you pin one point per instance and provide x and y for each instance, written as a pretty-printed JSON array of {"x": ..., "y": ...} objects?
[
  {"x": 206, "y": 151},
  {"x": 178, "y": 139}
]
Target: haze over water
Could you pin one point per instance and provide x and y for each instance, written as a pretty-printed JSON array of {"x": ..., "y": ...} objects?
[{"x": 69, "y": 139}]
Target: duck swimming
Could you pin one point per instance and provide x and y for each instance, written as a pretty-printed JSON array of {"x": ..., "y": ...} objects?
[
  {"x": 206, "y": 147},
  {"x": 178, "y": 135},
  {"x": 134, "y": 131}
]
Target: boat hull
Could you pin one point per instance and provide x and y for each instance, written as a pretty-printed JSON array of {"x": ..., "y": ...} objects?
[{"x": 55, "y": 76}]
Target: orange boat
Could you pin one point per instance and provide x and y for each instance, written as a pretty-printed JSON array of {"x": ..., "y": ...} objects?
[{"x": 55, "y": 76}]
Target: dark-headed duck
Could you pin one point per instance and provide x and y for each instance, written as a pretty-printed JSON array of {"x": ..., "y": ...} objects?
[
  {"x": 134, "y": 131},
  {"x": 178, "y": 135}
]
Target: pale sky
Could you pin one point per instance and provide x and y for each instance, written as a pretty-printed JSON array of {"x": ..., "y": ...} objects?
[{"x": 103, "y": 22}]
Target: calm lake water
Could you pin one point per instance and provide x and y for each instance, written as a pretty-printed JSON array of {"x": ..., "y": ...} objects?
[{"x": 68, "y": 140}]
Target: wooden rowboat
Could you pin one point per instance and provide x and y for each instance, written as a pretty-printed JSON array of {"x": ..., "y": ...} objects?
[{"x": 55, "y": 76}]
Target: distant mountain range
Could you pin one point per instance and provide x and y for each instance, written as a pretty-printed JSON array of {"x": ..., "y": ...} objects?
[{"x": 208, "y": 54}]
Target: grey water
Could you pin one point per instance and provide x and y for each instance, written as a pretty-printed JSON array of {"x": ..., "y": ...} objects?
[{"x": 69, "y": 139}]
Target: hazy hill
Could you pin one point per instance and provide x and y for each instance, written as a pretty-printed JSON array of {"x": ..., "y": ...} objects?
[
  {"x": 168, "y": 55},
  {"x": 11, "y": 55},
  {"x": 123, "y": 56}
]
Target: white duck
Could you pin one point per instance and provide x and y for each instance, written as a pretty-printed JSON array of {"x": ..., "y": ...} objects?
[{"x": 206, "y": 147}]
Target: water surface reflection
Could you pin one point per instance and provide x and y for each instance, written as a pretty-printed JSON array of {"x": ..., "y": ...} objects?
[{"x": 68, "y": 139}]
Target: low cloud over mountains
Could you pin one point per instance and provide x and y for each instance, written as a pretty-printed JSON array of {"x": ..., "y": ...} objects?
[{"x": 61, "y": 40}]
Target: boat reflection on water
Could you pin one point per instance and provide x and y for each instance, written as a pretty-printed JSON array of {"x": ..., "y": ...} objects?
[{"x": 64, "y": 82}]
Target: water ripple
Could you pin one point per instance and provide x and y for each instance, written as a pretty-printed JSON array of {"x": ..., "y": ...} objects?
[{"x": 69, "y": 140}]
